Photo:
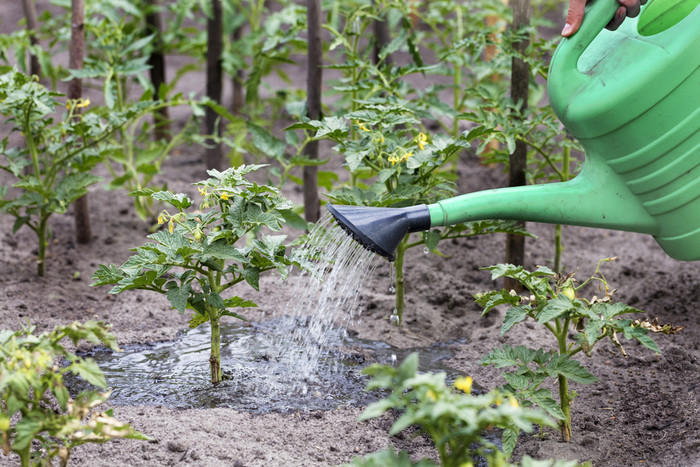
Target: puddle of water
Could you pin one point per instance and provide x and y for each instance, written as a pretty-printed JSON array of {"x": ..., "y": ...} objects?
[{"x": 175, "y": 374}]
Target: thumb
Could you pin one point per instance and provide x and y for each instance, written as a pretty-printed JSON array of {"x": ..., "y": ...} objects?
[{"x": 574, "y": 17}]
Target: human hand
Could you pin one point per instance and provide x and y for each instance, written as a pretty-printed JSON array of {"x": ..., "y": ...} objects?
[{"x": 574, "y": 17}]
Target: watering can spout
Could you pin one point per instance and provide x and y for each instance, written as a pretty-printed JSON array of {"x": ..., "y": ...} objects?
[{"x": 593, "y": 199}]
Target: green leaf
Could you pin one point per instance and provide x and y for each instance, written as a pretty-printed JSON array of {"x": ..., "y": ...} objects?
[
  {"x": 178, "y": 296},
  {"x": 265, "y": 142},
  {"x": 221, "y": 250},
  {"x": 238, "y": 302},
  {"x": 376, "y": 409},
  {"x": 196, "y": 319},
  {"x": 106, "y": 275},
  {"x": 543, "y": 398},
  {"x": 490, "y": 300},
  {"x": 89, "y": 371},
  {"x": 641, "y": 334},
  {"x": 25, "y": 431},
  {"x": 509, "y": 439},
  {"x": 178, "y": 200},
  {"x": 569, "y": 368},
  {"x": 332, "y": 127},
  {"x": 611, "y": 310},
  {"x": 294, "y": 220},
  {"x": 252, "y": 276},
  {"x": 518, "y": 382},
  {"x": 555, "y": 308},
  {"x": 514, "y": 316}
]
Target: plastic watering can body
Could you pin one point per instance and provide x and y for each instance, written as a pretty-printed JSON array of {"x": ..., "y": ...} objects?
[{"x": 632, "y": 98}]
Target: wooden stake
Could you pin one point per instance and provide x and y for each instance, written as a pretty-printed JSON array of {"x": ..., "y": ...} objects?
[
  {"x": 154, "y": 25},
  {"x": 83, "y": 232},
  {"x": 519, "y": 87},
  {"x": 314, "y": 82},
  {"x": 32, "y": 28},
  {"x": 214, "y": 154}
]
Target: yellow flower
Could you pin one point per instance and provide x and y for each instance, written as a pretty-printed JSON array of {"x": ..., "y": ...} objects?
[
  {"x": 513, "y": 402},
  {"x": 393, "y": 160},
  {"x": 421, "y": 140},
  {"x": 431, "y": 395},
  {"x": 161, "y": 220},
  {"x": 83, "y": 103},
  {"x": 362, "y": 127},
  {"x": 171, "y": 226},
  {"x": 224, "y": 196},
  {"x": 407, "y": 155},
  {"x": 464, "y": 384}
]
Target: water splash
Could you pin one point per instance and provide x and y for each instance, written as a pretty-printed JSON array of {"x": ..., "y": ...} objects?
[{"x": 326, "y": 294}]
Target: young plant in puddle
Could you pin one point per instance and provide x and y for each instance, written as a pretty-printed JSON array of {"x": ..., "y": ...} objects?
[
  {"x": 53, "y": 165},
  {"x": 36, "y": 410},
  {"x": 555, "y": 303},
  {"x": 455, "y": 420},
  {"x": 203, "y": 254}
]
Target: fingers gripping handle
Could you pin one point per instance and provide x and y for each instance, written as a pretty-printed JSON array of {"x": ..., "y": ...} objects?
[{"x": 565, "y": 61}]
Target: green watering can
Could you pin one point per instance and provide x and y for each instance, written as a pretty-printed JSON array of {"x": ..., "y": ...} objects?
[{"x": 632, "y": 98}]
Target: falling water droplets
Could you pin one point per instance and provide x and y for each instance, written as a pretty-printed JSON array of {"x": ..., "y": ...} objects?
[
  {"x": 327, "y": 293},
  {"x": 392, "y": 278},
  {"x": 394, "y": 318},
  {"x": 426, "y": 250},
  {"x": 393, "y": 359}
]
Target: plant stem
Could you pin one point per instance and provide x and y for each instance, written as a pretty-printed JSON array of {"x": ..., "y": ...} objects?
[
  {"x": 400, "y": 282},
  {"x": 564, "y": 396},
  {"x": 215, "y": 356},
  {"x": 43, "y": 243}
]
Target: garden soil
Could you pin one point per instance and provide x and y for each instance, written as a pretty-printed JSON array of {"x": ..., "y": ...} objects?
[{"x": 644, "y": 410}]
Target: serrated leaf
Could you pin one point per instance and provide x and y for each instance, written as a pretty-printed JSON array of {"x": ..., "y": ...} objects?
[
  {"x": 197, "y": 319},
  {"x": 238, "y": 302},
  {"x": 90, "y": 372},
  {"x": 178, "y": 200},
  {"x": 641, "y": 335},
  {"x": 555, "y": 308},
  {"x": 517, "y": 381},
  {"x": 178, "y": 296},
  {"x": 490, "y": 300},
  {"x": 569, "y": 368},
  {"x": 514, "y": 316},
  {"x": 543, "y": 398},
  {"x": 106, "y": 275},
  {"x": 25, "y": 430},
  {"x": 509, "y": 439}
]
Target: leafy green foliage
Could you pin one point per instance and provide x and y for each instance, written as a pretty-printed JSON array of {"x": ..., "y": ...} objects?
[
  {"x": 554, "y": 302},
  {"x": 52, "y": 167},
  {"x": 32, "y": 386},
  {"x": 452, "y": 417},
  {"x": 204, "y": 253}
]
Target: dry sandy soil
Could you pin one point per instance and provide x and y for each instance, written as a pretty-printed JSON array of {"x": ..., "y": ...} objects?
[{"x": 643, "y": 411}]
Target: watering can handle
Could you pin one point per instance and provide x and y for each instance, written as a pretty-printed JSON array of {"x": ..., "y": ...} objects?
[{"x": 565, "y": 60}]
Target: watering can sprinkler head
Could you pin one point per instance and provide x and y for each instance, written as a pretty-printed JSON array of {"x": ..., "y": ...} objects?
[{"x": 381, "y": 229}]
